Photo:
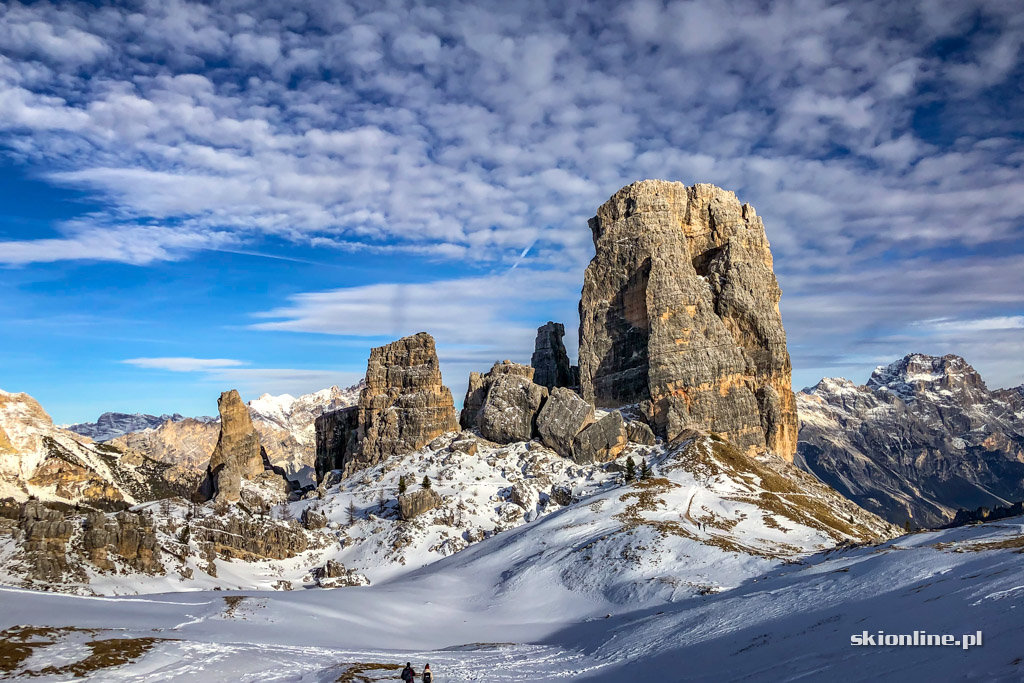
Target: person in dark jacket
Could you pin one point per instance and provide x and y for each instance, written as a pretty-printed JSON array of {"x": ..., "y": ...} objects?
[
  {"x": 427, "y": 676},
  {"x": 407, "y": 673}
]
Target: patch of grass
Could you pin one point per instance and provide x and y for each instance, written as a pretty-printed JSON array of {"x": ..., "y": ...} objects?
[
  {"x": 1014, "y": 543},
  {"x": 355, "y": 671},
  {"x": 106, "y": 654},
  {"x": 232, "y": 602},
  {"x": 19, "y": 643}
]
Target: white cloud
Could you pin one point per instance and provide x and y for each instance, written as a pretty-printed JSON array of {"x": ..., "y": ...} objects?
[
  {"x": 464, "y": 133},
  {"x": 183, "y": 364}
]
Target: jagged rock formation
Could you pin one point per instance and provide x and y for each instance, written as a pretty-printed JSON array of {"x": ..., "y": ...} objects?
[
  {"x": 39, "y": 459},
  {"x": 641, "y": 433},
  {"x": 480, "y": 385},
  {"x": 403, "y": 406},
  {"x": 923, "y": 438},
  {"x": 251, "y": 538},
  {"x": 238, "y": 455},
  {"x": 562, "y": 418},
  {"x": 679, "y": 313},
  {"x": 285, "y": 425},
  {"x": 128, "y": 535},
  {"x": 550, "y": 360},
  {"x": 112, "y": 425},
  {"x": 417, "y": 502}
]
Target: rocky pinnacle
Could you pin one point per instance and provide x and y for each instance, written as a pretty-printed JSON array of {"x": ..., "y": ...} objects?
[{"x": 680, "y": 314}]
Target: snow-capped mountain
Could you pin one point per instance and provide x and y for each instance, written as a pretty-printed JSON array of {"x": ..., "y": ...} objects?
[
  {"x": 921, "y": 439},
  {"x": 42, "y": 460},
  {"x": 110, "y": 425},
  {"x": 285, "y": 425}
]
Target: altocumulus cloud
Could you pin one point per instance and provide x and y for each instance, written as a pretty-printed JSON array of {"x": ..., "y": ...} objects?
[{"x": 880, "y": 141}]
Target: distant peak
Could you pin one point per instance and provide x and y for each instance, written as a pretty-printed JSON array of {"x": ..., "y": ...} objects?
[{"x": 917, "y": 372}]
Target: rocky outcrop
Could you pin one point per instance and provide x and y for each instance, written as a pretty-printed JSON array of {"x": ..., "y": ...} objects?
[
  {"x": 922, "y": 439},
  {"x": 250, "y": 538},
  {"x": 238, "y": 455},
  {"x": 402, "y": 407},
  {"x": 510, "y": 410},
  {"x": 417, "y": 502},
  {"x": 550, "y": 360},
  {"x": 285, "y": 425},
  {"x": 480, "y": 385},
  {"x": 679, "y": 313},
  {"x": 334, "y": 575},
  {"x": 562, "y": 418},
  {"x": 45, "y": 536},
  {"x": 602, "y": 441},
  {"x": 127, "y": 535}
]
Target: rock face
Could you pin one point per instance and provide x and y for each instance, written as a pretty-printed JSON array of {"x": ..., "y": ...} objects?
[
  {"x": 251, "y": 538},
  {"x": 601, "y": 441},
  {"x": 417, "y": 502},
  {"x": 923, "y": 438},
  {"x": 46, "y": 534},
  {"x": 679, "y": 313},
  {"x": 550, "y": 361},
  {"x": 403, "y": 406},
  {"x": 238, "y": 454},
  {"x": 563, "y": 416}
]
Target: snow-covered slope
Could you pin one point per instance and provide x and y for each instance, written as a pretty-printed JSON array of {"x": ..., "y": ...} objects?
[
  {"x": 111, "y": 425},
  {"x": 706, "y": 520},
  {"x": 793, "y": 621}
]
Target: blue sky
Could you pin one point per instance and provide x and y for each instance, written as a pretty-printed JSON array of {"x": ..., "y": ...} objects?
[{"x": 203, "y": 196}]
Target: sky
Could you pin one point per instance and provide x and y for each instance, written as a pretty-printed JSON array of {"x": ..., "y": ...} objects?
[{"x": 195, "y": 197}]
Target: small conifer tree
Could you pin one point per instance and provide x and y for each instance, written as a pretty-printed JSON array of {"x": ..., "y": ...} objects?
[
  {"x": 401, "y": 485},
  {"x": 353, "y": 512},
  {"x": 906, "y": 526},
  {"x": 426, "y": 482},
  {"x": 645, "y": 470},
  {"x": 630, "y": 469}
]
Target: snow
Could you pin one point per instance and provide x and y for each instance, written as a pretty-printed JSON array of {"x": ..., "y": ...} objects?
[{"x": 790, "y": 621}]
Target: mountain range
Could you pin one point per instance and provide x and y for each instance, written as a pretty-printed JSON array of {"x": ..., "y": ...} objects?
[{"x": 923, "y": 438}]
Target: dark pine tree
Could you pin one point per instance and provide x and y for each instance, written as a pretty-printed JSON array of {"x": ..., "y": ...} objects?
[{"x": 630, "y": 469}]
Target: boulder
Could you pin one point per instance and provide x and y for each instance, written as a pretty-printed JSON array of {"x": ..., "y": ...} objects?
[
  {"x": 563, "y": 416},
  {"x": 640, "y": 433},
  {"x": 480, "y": 385},
  {"x": 510, "y": 410},
  {"x": 601, "y": 441},
  {"x": 311, "y": 519},
  {"x": 679, "y": 314},
  {"x": 334, "y": 575},
  {"x": 550, "y": 361},
  {"x": 417, "y": 502}
]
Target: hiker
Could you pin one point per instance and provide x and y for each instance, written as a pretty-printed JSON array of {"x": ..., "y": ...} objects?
[
  {"x": 407, "y": 673},
  {"x": 427, "y": 676}
]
